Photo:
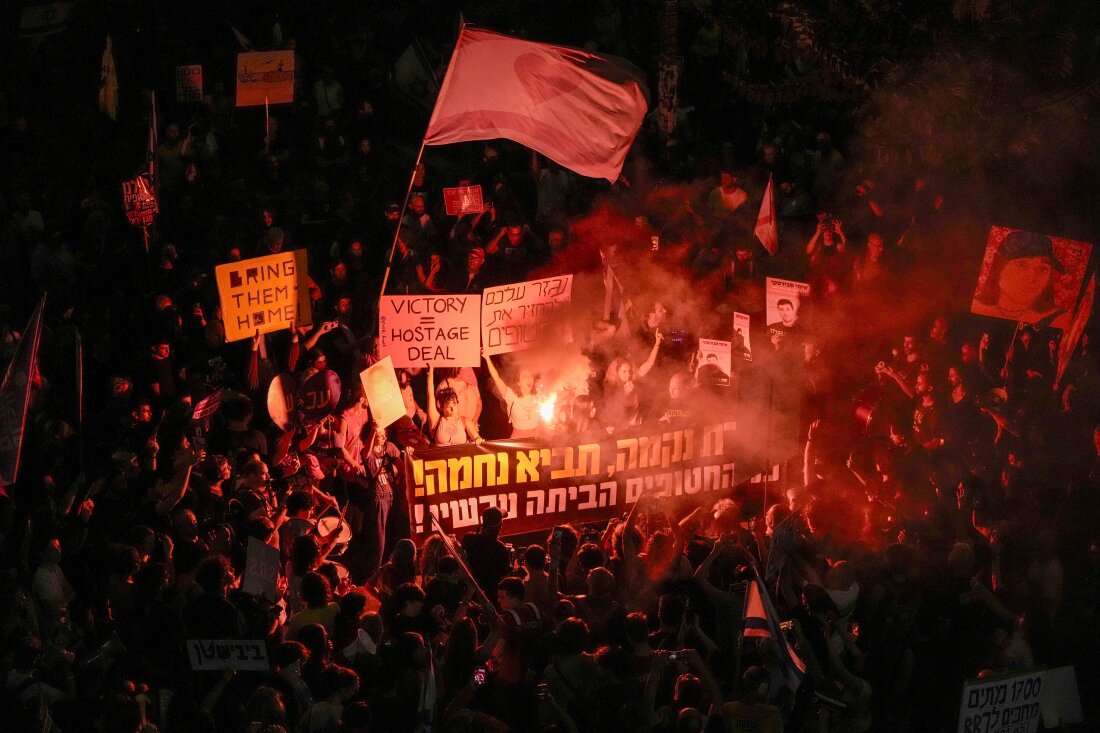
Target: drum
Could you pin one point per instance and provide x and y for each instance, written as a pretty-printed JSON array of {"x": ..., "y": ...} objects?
[{"x": 327, "y": 525}]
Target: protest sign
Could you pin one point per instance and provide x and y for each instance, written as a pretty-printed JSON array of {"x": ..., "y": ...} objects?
[
  {"x": 216, "y": 655},
  {"x": 714, "y": 362},
  {"x": 1002, "y": 705},
  {"x": 265, "y": 77},
  {"x": 139, "y": 200},
  {"x": 383, "y": 392},
  {"x": 1061, "y": 703},
  {"x": 463, "y": 200},
  {"x": 189, "y": 83},
  {"x": 1030, "y": 278},
  {"x": 264, "y": 294},
  {"x": 579, "y": 481},
  {"x": 784, "y": 299},
  {"x": 436, "y": 330},
  {"x": 261, "y": 569},
  {"x": 518, "y": 316},
  {"x": 742, "y": 346}
]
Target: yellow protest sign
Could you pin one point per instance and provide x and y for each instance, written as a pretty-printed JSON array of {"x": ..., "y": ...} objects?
[{"x": 264, "y": 294}]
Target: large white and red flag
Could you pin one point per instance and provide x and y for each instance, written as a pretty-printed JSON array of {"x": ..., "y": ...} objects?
[
  {"x": 15, "y": 396},
  {"x": 767, "y": 226},
  {"x": 576, "y": 108}
]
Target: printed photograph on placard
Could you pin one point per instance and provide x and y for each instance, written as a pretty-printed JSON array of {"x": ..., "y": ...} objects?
[
  {"x": 741, "y": 345},
  {"x": 784, "y": 300},
  {"x": 713, "y": 362},
  {"x": 1030, "y": 278}
]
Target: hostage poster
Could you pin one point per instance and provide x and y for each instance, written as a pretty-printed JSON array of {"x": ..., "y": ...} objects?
[{"x": 1030, "y": 278}]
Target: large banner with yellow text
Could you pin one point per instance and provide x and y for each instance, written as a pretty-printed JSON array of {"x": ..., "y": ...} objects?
[
  {"x": 537, "y": 487},
  {"x": 430, "y": 330},
  {"x": 518, "y": 316},
  {"x": 264, "y": 294}
]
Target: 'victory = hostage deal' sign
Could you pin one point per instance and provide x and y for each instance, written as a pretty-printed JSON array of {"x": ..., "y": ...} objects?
[
  {"x": 189, "y": 83},
  {"x": 516, "y": 317},
  {"x": 265, "y": 77},
  {"x": 463, "y": 200},
  {"x": 139, "y": 200},
  {"x": 215, "y": 655},
  {"x": 1007, "y": 705},
  {"x": 539, "y": 487},
  {"x": 440, "y": 330},
  {"x": 264, "y": 294}
]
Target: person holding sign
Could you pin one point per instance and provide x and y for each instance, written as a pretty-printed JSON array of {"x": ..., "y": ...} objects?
[
  {"x": 445, "y": 424},
  {"x": 522, "y": 409}
]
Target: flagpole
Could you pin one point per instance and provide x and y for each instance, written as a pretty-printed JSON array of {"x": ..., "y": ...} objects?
[
  {"x": 741, "y": 640},
  {"x": 412, "y": 176},
  {"x": 80, "y": 398}
]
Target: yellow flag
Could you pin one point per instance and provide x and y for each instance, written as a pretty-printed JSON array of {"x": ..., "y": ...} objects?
[{"x": 108, "y": 83}]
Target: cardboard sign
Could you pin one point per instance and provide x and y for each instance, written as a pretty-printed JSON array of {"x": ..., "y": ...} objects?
[
  {"x": 1030, "y": 278},
  {"x": 217, "y": 655},
  {"x": 139, "y": 200},
  {"x": 261, "y": 569},
  {"x": 784, "y": 307},
  {"x": 1003, "y": 705},
  {"x": 383, "y": 392},
  {"x": 1061, "y": 699},
  {"x": 585, "y": 479},
  {"x": 264, "y": 294},
  {"x": 463, "y": 200},
  {"x": 265, "y": 77},
  {"x": 517, "y": 317},
  {"x": 741, "y": 345},
  {"x": 715, "y": 362},
  {"x": 189, "y": 83},
  {"x": 437, "y": 330}
]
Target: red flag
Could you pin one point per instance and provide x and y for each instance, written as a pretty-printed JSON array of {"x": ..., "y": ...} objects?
[
  {"x": 767, "y": 226},
  {"x": 576, "y": 108},
  {"x": 1072, "y": 334},
  {"x": 208, "y": 405},
  {"x": 15, "y": 395}
]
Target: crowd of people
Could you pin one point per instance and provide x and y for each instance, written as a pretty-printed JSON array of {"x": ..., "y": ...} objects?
[{"x": 934, "y": 517}]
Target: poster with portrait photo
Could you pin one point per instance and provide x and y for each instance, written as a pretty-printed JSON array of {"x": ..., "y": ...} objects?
[
  {"x": 741, "y": 346},
  {"x": 784, "y": 301},
  {"x": 713, "y": 362},
  {"x": 1030, "y": 278}
]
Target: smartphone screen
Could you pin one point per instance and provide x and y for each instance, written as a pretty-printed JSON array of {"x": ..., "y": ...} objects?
[{"x": 479, "y": 676}]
